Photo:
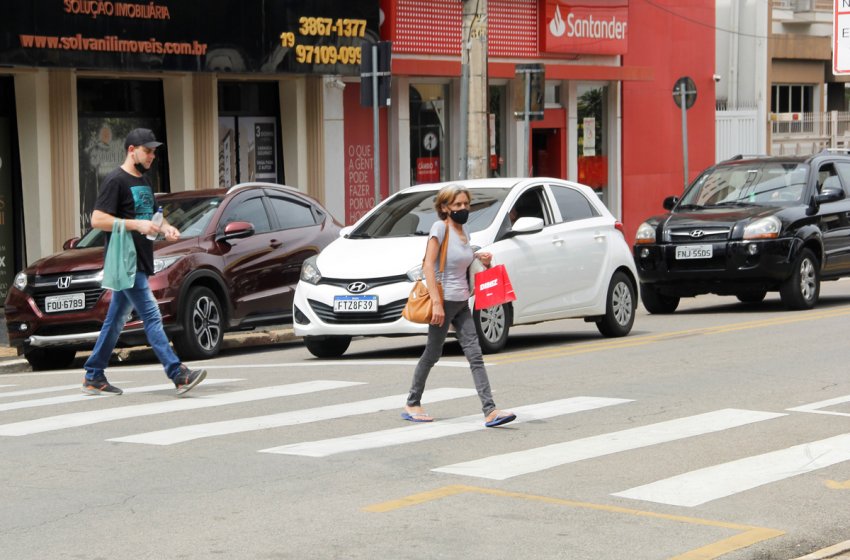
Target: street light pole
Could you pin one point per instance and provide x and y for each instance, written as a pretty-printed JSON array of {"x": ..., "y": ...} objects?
[{"x": 473, "y": 91}]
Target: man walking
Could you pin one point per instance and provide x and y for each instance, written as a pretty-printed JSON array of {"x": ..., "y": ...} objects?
[{"x": 126, "y": 194}]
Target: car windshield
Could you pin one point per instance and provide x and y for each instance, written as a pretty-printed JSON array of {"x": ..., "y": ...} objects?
[
  {"x": 765, "y": 184},
  {"x": 409, "y": 214},
  {"x": 189, "y": 215}
]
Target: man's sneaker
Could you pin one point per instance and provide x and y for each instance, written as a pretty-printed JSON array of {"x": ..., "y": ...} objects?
[
  {"x": 100, "y": 387},
  {"x": 188, "y": 378}
]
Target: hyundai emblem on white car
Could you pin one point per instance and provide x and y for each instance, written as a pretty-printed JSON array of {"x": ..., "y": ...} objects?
[{"x": 357, "y": 287}]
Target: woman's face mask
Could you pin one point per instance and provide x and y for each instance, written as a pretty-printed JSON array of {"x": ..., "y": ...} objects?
[{"x": 459, "y": 216}]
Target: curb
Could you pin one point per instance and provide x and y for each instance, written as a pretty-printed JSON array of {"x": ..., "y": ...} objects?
[
  {"x": 834, "y": 552},
  {"x": 11, "y": 363}
]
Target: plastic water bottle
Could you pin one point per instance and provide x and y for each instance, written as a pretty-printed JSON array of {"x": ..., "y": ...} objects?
[{"x": 157, "y": 219}]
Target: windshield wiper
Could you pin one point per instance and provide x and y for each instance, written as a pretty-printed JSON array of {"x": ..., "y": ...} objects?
[
  {"x": 732, "y": 203},
  {"x": 359, "y": 236},
  {"x": 689, "y": 207}
]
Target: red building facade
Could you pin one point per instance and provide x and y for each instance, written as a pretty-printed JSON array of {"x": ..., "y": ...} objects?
[{"x": 609, "y": 118}]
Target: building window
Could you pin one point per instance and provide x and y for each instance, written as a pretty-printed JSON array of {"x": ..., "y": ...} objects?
[
  {"x": 428, "y": 126},
  {"x": 592, "y": 143},
  {"x": 107, "y": 111},
  {"x": 498, "y": 102},
  {"x": 249, "y": 133},
  {"x": 792, "y": 98}
]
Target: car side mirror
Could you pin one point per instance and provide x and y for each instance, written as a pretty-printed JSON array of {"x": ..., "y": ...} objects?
[
  {"x": 71, "y": 243},
  {"x": 829, "y": 193},
  {"x": 236, "y": 230},
  {"x": 527, "y": 225},
  {"x": 670, "y": 202}
]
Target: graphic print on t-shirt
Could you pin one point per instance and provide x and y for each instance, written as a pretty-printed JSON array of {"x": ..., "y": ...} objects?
[{"x": 144, "y": 201}]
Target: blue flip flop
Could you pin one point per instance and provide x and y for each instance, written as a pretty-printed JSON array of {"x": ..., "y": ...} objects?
[
  {"x": 501, "y": 419},
  {"x": 417, "y": 417}
]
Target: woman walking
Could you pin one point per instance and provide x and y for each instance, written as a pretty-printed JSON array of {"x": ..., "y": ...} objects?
[{"x": 452, "y": 307}]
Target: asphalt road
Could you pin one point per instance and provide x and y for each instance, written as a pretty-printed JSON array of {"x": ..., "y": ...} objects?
[{"x": 721, "y": 431}]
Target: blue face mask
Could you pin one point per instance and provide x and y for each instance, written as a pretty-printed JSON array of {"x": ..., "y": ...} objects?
[{"x": 459, "y": 216}]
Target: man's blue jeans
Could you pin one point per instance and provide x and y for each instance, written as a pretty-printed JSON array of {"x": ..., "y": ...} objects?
[{"x": 141, "y": 298}]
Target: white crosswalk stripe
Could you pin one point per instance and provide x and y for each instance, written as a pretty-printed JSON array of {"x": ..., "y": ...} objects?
[
  {"x": 442, "y": 428},
  {"x": 704, "y": 485},
  {"x": 73, "y": 420},
  {"x": 688, "y": 489},
  {"x": 198, "y": 431},
  {"x": 80, "y": 397},
  {"x": 41, "y": 390},
  {"x": 508, "y": 465}
]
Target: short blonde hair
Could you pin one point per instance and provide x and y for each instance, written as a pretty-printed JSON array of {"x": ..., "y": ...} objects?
[{"x": 446, "y": 196}]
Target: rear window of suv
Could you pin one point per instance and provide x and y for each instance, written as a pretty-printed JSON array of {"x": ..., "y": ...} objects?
[{"x": 762, "y": 183}]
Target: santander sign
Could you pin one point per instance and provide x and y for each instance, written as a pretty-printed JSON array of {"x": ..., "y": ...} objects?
[{"x": 586, "y": 26}]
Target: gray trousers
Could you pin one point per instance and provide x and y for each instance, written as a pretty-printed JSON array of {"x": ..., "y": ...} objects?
[{"x": 458, "y": 314}]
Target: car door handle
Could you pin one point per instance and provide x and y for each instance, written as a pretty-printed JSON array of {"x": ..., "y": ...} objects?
[
  {"x": 274, "y": 243},
  {"x": 599, "y": 236},
  {"x": 557, "y": 241}
]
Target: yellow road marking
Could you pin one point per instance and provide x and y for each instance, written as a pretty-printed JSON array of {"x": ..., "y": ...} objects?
[
  {"x": 632, "y": 341},
  {"x": 748, "y": 536},
  {"x": 835, "y": 485}
]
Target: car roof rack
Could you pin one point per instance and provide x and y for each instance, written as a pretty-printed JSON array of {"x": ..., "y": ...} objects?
[
  {"x": 746, "y": 156},
  {"x": 835, "y": 151}
]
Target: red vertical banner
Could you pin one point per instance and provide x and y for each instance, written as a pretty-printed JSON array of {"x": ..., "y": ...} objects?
[{"x": 359, "y": 156}]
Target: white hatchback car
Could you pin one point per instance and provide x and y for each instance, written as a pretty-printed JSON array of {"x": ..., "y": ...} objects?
[{"x": 565, "y": 254}]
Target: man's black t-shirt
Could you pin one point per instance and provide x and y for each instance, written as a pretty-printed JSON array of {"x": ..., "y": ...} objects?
[{"x": 130, "y": 198}]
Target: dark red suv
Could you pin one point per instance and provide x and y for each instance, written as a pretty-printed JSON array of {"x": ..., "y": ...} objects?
[{"x": 235, "y": 267}]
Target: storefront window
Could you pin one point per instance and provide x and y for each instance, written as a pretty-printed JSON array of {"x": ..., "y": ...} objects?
[
  {"x": 497, "y": 133},
  {"x": 428, "y": 125},
  {"x": 592, "y": 144},
  {"x": 107, "y": 111},
  {"x": 249, "y": 132}
]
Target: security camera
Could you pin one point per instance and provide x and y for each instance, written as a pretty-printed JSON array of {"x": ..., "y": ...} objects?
[{"x": 716, "y": 77}]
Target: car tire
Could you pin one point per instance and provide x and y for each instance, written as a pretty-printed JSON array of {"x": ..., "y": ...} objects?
[
  {"x": 49, "y": 358},
  {"x": 619, "y": 307},
  {"x": 201, "y": 319},
  {"x": 802, "y": 288},
  {"x": 656, "y": 303},
  {"x": 752, "y": 297},
  {"x": 327, "y": 346},
  {"x": 492, "y": 325}
]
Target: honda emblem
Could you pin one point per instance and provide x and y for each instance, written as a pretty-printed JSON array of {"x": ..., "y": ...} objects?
[{"x": 64, "y": 282}]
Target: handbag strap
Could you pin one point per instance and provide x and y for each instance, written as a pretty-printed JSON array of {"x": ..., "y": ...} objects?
[{"x": 444, "y": 248}]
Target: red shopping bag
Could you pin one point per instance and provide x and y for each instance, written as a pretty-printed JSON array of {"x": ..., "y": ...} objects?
[{"x": 493, "y": 287}]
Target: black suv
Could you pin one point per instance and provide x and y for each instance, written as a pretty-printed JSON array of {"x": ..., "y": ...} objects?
[{"x": 747, "y": 226}]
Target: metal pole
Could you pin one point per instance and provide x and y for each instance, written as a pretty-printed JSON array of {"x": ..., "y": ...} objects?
[
  {"x": 526, "y": 127},
  {"x": 682, "y": 98},
  {"x": 464, "y": 113},
  {"x": 376, "y": 137}
]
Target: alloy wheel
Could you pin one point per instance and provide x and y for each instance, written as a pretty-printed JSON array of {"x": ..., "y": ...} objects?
[{"x": 206, "y": 323}]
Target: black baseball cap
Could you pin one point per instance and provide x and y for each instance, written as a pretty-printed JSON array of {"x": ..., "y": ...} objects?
[{"x": 141, "y": 137}]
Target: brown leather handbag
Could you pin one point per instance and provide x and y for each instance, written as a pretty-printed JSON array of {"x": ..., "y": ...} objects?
[{"x": 418, "y": 308}]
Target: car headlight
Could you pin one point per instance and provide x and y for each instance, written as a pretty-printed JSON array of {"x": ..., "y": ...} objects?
[
  {"x": 21, "y": 281},
  {"x": 310, "y": 272},
  {"x": 415, "y": 274},
  {"x": 161, "y": 263},
  {"x": 763, "y": 228},
  {"x": 645, "y": 233}
]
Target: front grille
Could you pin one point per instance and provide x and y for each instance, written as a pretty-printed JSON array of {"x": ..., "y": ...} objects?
[
  {"x": 371, "y": 282},
  {"x": 709, "y": 234},
  {"x": 385, "y": 314},
  {"x": 92, "y": 295}
]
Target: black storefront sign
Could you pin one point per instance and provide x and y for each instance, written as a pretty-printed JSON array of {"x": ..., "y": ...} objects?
[{"x": 272, "y": 36}]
